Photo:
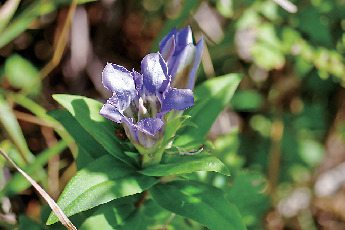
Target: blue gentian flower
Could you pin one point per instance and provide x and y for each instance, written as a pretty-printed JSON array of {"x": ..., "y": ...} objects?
[
  {"x": 140, "y": 101},
  {"x": 182, "y": 57}
]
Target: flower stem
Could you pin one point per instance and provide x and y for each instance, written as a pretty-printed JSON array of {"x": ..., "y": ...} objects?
[{"x": 152, "y": 159}]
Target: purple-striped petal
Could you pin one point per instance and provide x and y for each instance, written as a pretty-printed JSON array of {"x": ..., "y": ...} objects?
[
  {"x": 155, "y": 73},
  {"x": 120, "y": 81},
  {"x": 177, "y": 99}
]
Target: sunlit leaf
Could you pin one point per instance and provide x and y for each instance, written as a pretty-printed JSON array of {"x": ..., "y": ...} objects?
[{"x": 104, "y": 180}]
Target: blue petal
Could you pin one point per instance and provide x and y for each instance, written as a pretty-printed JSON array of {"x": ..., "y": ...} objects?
[
  {"x": 138, "y": 80},
  {"x": 155, "y": 73},
  {"x": 178, "y": 99},
  {"x": 184, "y": 37},
  {"x": 149, "y": 125},
  {"x": 180, "y": 66},
  {"x": 120, "y": 81},
  {"x": 109, "y": 111},
  {"x": 184, "y": 66},
  {"x": 168, "y": 49},
  {"x": 173, "y": 32},
  {"x": 197, "y": 59},
  {"x": 130, "y": 129}
]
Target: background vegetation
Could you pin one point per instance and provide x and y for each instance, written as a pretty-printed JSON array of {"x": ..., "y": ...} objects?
[{"x": 282, "y": 135}]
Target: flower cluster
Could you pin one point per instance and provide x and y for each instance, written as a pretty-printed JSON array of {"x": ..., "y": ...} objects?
[{"x": 140, "y": 101}]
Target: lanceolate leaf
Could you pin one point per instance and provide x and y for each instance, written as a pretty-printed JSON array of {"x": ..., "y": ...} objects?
[
  {"x": 88, "y": 148},
  {"x": 210, "y": 99},
  {"x": 15, "y": 67},
  {"x": 103, "y": 180},
  {"x": 86, "y": 112},
  {"x": 200, "y": 202},
  {"x": 173, "y": 164}
]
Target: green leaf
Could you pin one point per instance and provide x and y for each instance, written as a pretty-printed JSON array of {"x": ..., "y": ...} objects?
[
  {"x": 9, "y": 121},
  {"x": 200, "y": 202},
  {"x": 103, "y": 180},
  {"x": 25, "y": 223},
  {"x": 313, "y": 27},
  {"x": 115, "y": 215},
  {"x": 76, "y": 219},
  {"x": 247, "y": 101},
  {"x": 210, "y": 99},
  {"x": 88, "y": 148},
  {"x": 134, "y": 222},
  {"x": 173, "y": 164},
  {"x": 226, "y": 150},
  {"x": 247, "y": 193},
  {"x": 86, "y": 112},
  {"x": 21, "y": 74},
  {"x": 136, "y": 157},
  {"x": 109, "y": 216}
]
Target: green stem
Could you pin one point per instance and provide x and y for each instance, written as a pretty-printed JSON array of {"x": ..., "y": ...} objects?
[{"x": 152, "y": 159}]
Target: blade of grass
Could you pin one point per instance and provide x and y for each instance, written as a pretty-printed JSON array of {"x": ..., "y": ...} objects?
[
  {"x": 41, "y": 113},
  {"x": 56, "y": 209}
]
